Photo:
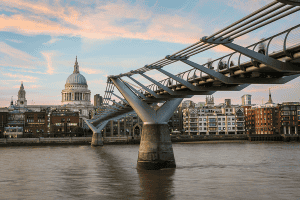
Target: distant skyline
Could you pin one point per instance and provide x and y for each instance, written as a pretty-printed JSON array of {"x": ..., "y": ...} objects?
[{"x": 39, "y": 41}]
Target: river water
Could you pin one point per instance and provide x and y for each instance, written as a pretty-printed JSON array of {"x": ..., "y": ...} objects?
[{"x": 204, "y": 171}]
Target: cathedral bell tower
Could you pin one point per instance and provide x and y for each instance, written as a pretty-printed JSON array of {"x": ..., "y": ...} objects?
[{"x": 21, "y": 97}]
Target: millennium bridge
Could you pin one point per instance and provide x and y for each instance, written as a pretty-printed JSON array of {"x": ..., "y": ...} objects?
[{"x": 273, "y": 60}]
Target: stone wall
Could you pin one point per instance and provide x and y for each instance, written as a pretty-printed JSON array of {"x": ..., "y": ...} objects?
[{"x": 42, "y": 141}]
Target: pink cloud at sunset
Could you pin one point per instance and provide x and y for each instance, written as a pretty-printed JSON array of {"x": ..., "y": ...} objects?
[
  {"x": 100, "y": 23},
  {"x": 91, "y": 71},
  {"x": 20, "y": 77},
  {"x": 48, "y": 57}
]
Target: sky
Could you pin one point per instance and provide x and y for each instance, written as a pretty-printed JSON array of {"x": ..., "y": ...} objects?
[{"x": 39, "y": 41}]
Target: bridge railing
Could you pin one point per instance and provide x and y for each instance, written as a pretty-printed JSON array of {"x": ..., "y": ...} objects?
[{"x": 282, "y": 42}]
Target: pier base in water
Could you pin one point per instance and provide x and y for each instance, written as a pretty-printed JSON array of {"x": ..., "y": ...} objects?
[
  {"x": 97, "y": 139},
  {"x": 156, "y": 151}
]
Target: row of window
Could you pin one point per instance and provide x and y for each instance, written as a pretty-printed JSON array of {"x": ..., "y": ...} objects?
[
  {"x": 220, "y": 128},
  {"x": 68, "y": 124},
  {"x": 214, "y": 119}
]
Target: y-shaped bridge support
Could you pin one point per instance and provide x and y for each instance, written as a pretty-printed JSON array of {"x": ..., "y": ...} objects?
[
  {"x": 156, "y": 151},
  {"x": 97, "y": 135}
]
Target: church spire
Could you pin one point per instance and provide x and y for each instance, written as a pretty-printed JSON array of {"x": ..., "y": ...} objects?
[
  {"x": 270, "y": 97},
  {"x": 76, "y": 67}
]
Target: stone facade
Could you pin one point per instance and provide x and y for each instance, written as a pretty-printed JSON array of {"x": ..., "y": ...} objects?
[{"x": 223, "y": 119}]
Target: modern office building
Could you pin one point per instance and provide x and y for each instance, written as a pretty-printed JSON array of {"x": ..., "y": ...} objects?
[
  {"x": 246, "y": 100},
  {"x": 98, "y": 100}
]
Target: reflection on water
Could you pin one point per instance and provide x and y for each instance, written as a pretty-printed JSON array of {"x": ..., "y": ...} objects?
[
  {"x": 204, "y": 171},
  {"x": 156, "y": 184}
]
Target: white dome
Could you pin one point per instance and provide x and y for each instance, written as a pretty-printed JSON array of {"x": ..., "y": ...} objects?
[{"x": 76, "y": 79}]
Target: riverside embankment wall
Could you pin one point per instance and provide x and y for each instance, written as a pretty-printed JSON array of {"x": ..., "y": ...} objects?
[
  {"x": 130, "y": 140},
  {"x": 44, "y": 141}
]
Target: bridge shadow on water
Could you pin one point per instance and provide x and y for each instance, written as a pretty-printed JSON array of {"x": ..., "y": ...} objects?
[
  {"x": 125, "y": 181},
  {"x": 156, "y": 184}
]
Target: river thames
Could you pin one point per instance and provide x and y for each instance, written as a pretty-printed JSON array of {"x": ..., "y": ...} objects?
[{"x": 204, "y": 171}]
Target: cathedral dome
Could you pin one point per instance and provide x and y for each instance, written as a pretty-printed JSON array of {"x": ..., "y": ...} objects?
[
  {"x": 76, "y": 79},
  {"x": 76, "y": 89}
]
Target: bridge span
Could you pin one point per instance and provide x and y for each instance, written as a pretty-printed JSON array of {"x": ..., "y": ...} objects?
[{"x": 264, "y": 62}]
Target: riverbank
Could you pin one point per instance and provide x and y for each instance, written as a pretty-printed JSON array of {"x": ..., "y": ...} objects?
[{"x": 129, "y": 140}]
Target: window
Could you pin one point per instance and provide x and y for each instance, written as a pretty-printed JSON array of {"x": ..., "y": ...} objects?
[
  {"x": 204, "y": 124},
  {"x": 200, "y": 124},
  {"x": 285, "y": 108},
  {"x": 204, "y": 128},
  {"x": 232, "y": 123},
  {"x": 204, "y": 119},
  {"x": 223, "y": 119},
  {"x": 68, "y": 120},
  {"x": 233, "y": 128},
  {"x": 229, "y": 123},
  {"x": 219, "y": 119},
  {"x": 233, "y": 119},
  {"x": 229, "y": 128},
  {"x": 219, "y": 128},
  {"x": 223, "y": 123},
  {"x": 219, "y": 123},
  {"x": 62, "y": 119},
  {"x": 72, "y": 124},
  {"x": 200, "y": 119}
]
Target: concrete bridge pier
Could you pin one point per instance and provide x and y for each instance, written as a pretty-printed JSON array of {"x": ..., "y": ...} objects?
[
  {"x": 97, "y": 139},
  {"x": 156, "y": 151}
]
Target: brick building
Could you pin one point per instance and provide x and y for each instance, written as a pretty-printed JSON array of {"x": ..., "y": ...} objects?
[
  {"x": 262, "y": 119},
  {"x": 64, "y": 123},
  {"x": 35, "y": 124}
]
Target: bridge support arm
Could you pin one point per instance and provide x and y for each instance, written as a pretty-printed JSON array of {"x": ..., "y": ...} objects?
[
  {"x": 176, "y": 78},
  {"x": 210, "y": 72},
  {"x": 145, "y": 88},
  {"x": 269, "y": 61}
]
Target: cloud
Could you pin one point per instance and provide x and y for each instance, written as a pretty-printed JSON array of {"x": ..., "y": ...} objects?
[
  {"x": 11, "y": 57},
  {"x": 15, "y": 53},
  {"x": 53, "y": 40},
  {"x": 31, "y": 25},
  {"x": 91, "y": 70},
  {"x": 223, "y": 49},
  {"x": 15, "y": 41},
  {"x": 20, "y": 77},
  {"x": 247, "y": 6},
  {"x": 108, "y": 21},
  {"x": 98, "y": 82},
  {"x": 48, "y": 57}
]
